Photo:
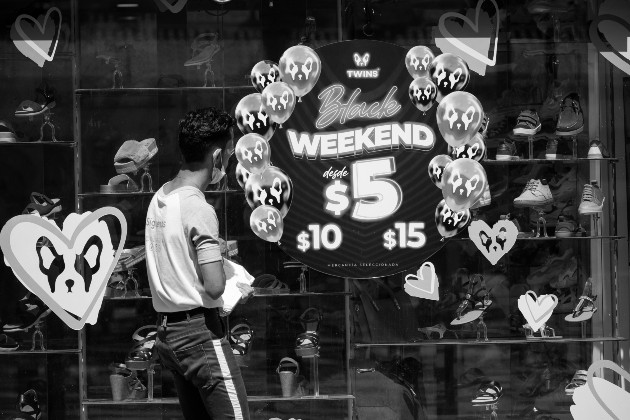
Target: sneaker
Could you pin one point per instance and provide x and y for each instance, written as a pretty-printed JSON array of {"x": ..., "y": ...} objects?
[
  {"x": 536, "y": 193},
  {"x": 484, "y": 200},
  {"x": 571, "y": 120},
  {"x": 527, "y": 124},
  {"x": 597, "y": 150},
  {"x": 592, "y": 199},
  {"x": 507, "y": 150}
]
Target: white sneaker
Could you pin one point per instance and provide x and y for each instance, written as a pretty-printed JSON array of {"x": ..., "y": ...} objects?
[
  {"x": 592, "y": 199},
  {"x": 534, "y": 194}
]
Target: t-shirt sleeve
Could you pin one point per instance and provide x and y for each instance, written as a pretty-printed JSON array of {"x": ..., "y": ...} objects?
[{"x": 203, "y": 230}]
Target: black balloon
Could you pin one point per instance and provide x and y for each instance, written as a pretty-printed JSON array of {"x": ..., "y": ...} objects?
[
  {"x": 449, "y": 73},
  {"x": 264, "y": 73}
]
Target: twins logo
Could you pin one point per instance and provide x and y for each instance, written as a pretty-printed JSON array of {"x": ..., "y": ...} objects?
[
  {"x": 67, "y": 269},
  {"x": 361, "y": 60}
]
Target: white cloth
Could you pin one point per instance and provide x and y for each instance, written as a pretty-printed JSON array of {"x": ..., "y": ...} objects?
[
  {"x": 181, "y": 233},
  {"x": 234, "y": 273}
]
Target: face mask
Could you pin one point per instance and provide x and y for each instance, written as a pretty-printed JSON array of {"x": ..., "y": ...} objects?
[{"x": 217, "y": 174}]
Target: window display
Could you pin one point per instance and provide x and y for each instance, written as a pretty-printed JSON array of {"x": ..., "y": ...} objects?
[{"x": 427, "y": 199}]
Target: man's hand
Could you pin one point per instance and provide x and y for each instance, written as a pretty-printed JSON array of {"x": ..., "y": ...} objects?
[{"x": 246, "y": 290}]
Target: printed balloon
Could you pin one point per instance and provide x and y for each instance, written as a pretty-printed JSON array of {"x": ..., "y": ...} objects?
[
  {"x": 459, "y": 117},
  {"x": 450, "y": 73},
  {"x": 422, "y": 93},
  {"x": 252, "y": 152},
  {"x": 279, "y": 101},
  {"x": 266, "y": 222},
  {"x": 273, "y": 187},
  {"x": 300, "y": 68},
  {"x": 264, "y": 73},
  {"x": 242, "y": 175},
  {"x": 473, "y": 149},
  {"x": 449, "y": 223},
  {"x": 252, "y": 118},
  {"x": 436, "y": 169},
  {"x": 418, "y": 61},
  {"x": 464, "y": 182}
]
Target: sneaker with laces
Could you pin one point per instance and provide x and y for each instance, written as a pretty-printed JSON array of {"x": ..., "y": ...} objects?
[
  {"x": 507, "y": 150},
  {"x": 571, "y": 119},
  {"x": 536, "y": 193},
  {"x": 597, "y": 150},
  {"x": 592, "y": 199},
  {"x": 527, "y": 123}
]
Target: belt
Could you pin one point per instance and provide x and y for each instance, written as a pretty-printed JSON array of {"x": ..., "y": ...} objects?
[{"x": 183, "y": 315}]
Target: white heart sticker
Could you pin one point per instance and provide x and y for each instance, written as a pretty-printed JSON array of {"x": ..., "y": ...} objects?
[
  {"x": 424, "y": 284},
  {"x": 37, "y": 38},
  {"x": 537, "y": 309},
  {"x": 493, "y": 242}
]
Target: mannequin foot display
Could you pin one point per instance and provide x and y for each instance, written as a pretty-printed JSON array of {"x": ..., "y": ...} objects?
[
  {"x": 47, "y": 126},
  {"x": 146, "y": 176},
  {"x": 541, "y": 223},
  {"x": 482, "y": 327},
  {"x": 585, "y": 308},
  {"x": 38, "y": 335},
  {"x": 545, "y": 332}
]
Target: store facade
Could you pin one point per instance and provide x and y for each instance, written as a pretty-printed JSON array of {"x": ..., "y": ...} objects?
[{"x": 373, "y": 299}]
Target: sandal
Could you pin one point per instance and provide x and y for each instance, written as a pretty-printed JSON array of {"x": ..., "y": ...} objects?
[
  {"x": 579, "y": 379},
  {"x": 130, "y": 257},
  {"x": 585, "y": 308},
  {"x": 473, "y": 306},
  {"x": 29, "y": 405},
  {"x": 120, "y": 184},
  {"x": 310, "y": 319},
  {"x": 141, "y": 354},
  {"x": 268, "y": 284},
  {"x": 7, "y": 343},
  {"x": 488, "y": 393},
  {"x": 307, "y": 344},
  {"x": 241, "y": 337},
  {"x": 41, "y": 205},
  {"x": 439, "y": 329}
]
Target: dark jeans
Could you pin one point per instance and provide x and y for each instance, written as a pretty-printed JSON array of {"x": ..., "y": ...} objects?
[{"x": 208, "y": 380}]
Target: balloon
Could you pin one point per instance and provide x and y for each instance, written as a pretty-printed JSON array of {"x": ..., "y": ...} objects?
[
  {"x": 252, "y": 152},
  {"x": 449, "y": 223},
  {"x": 242, "y": 175},
  {"x": 422, "y": 92},
  {"x": 473, "y": 149},
  {"x": 436, "y": 169},
  {"x": 266, "y": 222},
  {"x": 272, "y": 187},
  {"x": 279, "y": 101},
  {"x": 264, "y": 73},
  {"x": 300, "y": 68},
  {"x": 418, "y": 60},
  {"x": 450, "y": 73},
  {"x": 252, "y": 118},
  {"x": 464, "y": 182},
  {"x": 459, "y": 117}
]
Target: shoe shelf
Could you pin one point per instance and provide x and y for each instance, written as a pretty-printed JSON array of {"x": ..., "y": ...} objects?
[
  {"x": 128, "y": 298},
  {"x": 556, "y": 238},
  {"x": 68, "y": 144},
  {"x": 147, "y": 194},
  {"x": 491, "y": 341},
  {"x": 300, "y": 294},
  {"x": 550, "y": 161},
  {"x": 163, "y": 90},
  {"x": 38, "y": 352},
  {"x": 250, "y": 398}
]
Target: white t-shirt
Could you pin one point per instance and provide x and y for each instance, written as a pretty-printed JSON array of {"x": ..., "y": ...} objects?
[{"x": 181, "y": 233}]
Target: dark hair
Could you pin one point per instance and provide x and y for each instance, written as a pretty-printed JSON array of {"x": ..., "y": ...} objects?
[{"x": 201, "y": 129}]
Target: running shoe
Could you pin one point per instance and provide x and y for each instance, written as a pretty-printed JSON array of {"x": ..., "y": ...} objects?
[
  {"x": 527, "y": 123},
  {"x": 507, "y": 150},
  {"x": 571, "y": 120},
  {"x": 592, "y": 199},
  {"x": 597, "y": 150},
  {"x": 536, "y": 193}
]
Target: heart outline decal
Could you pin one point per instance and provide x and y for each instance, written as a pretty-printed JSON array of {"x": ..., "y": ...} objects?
[
  {"x": 537, "y": 309},
  {"x": 504, "y": 233},
  {"x": 176, "y": 7},
  {"x": 475, "y": 59},
  {"x": 608, "y": 52},
  {"x": 18, "y": 238},
  {"x": 424, "y": 284},
  {"x": 28, "y": 46}
]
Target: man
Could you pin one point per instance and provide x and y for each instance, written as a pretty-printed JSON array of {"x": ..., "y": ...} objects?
[{"x": 186, "y": 276}]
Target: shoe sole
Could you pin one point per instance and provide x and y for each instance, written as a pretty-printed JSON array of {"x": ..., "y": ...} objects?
[
  {"x": 585, "y": 212},
  {"x": 506, "y": 157},
  {"x": 532, "y": 203},
  {"x": 594, "y": 156},
  {"x": 564, "y": 234},
  {"x": 526, "y": 131},
  {"x": 570, "y": 133}
]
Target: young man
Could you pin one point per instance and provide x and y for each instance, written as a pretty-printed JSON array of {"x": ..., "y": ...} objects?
[{"x": 186, "y": 276}]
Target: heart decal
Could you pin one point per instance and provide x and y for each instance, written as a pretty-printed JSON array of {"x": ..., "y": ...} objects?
[
  {"x": 37, "y": 38},
  {"x": 537, "y": 309},
  {"x": 474, "y": 41},
  {"x": 496, "y": 242},
  {"x": 601, "y": 399},
  {"x": 175, "y": 7},
  {"x": 70, "y": 270},
  {"x": 424, "y": 284},
  {"x": 616, "y": 32}
]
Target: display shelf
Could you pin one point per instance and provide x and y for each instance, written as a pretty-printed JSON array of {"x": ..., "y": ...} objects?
[
  {"x": 148, "y": 91},
  {"x": 68, "y": 144},
  {"x": 555, "y": 238},
  {"x": 299, "y": 294},
  {"x": 146, "y": 194},
  {"x": 471, "y": 342},
  {"x": 250, "y": 398},
  {"x": 19, "y": 352},
  {"x": 128, "y": 298},
  {"x": 550, "y": 161}
]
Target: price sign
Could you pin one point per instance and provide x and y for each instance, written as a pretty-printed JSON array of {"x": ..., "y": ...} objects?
[{"x": 357, "y": 151}]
